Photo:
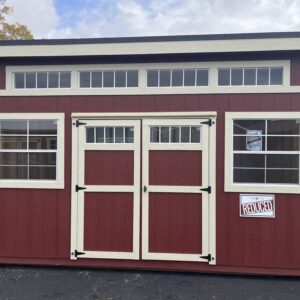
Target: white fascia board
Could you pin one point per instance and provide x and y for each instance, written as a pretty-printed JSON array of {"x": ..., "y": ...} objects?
[{"x": 174, "y": 47}]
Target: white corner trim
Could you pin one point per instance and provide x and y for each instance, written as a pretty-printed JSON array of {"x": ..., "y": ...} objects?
[
  {"x": 60, "y": 160},
  {"x": 229, "y": 186}
]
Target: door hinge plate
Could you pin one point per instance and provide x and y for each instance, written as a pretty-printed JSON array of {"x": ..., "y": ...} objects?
[
  {"x": 207, "y": 257},
  {"x": 208, "y": 189},
  {"x": 78, "y": 123},
  {"x": 209, "y": 122},
  {"x": 77, "y": 253},
  {"x": 79, "y": 188}
]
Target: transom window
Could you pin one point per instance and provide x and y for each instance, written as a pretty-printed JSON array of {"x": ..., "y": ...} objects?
[
  {"x": 250, "y": 76},
  {"x": 108, "y": 79},
  {"x": 42, "y": 80},
  {"x": 175, "y": 134},
  {"x": 110, "y": 134},
  {"x": 266, "y": 151},
  {"x": 177, "y": 78}
]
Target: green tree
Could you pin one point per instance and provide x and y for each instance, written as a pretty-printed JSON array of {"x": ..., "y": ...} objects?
[{"x": 14, "y": 31}]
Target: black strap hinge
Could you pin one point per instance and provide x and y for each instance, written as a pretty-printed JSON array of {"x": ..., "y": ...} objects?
[
  {"x": 208, "y": 189},
  {"x": 77, "y": 253},
  {"x": 209, "y": 122},
  {"x": 79, "y": 188},
  {"x": 208, "y": 257},
  {"x": 78, "y": 123}
]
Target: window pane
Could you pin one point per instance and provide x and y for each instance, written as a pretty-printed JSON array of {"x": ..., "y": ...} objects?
[
  {"x": 44, "y": 159},
  {"x": 164, "y": 134},
  {"x": 90, "y": 135},
  {"x": 224, "y": 77},
  {"x": 185, "y": 134},
  {"x": 46, "y": 173},
  {"x": 13, "y": 142},
  {"x": 263, "y": 76},
  {"x": 152, "y": 78},
  {"x": 165, "y": 78},
  {"x": 13, "y": 127},
  {"x": 177, "y": 77},
  {"x": 129, "y": 135},
  {"x": 283, "y": 143},
  {"x": 283, "y": 161},
  {"x": 42, "y": 127},
  {"x": 243, "y": 126},
  {"x": 19, "y": 80},
  {"x": 120, "y": 78},
  {"x": 249, "y": 160},
  {"x": 65, "y": 79},
  {"x": 119, "y": 134},
  {"x": 284, "y": 127},
  {"x": 85, "y": 80},
  {"x": 132, "y": 78},
  {"x": 175, "y": 134},
  {"x": 53, "y": 79},
  {"x": 237, "y": 77},
  {"x": 189, "y": 77},
  {"x": 13, "y": 158},
  {"x": 249, "y": 76},
  {"x": 108, "y": 79},
  {"x": 282, "y": 176},
  {"x": 249, "y": 143},
  {"x": 248, "y": 176},
  {"x": 30, "y": 80},
  {"x": 99, "y": 134},
  {"x": 43, "y": 142},
  {"x": 202, "y": 77},
  {"x": 276, "y": 76},
  {"x": 96, "y": 79},
  {"x": 13, "y": 172},
  {"x": 195, "y": 134},
  {"x": 109, "y": 134},
  {"x": 42, "y": 80},
  {"x": 154, "y": 134}
]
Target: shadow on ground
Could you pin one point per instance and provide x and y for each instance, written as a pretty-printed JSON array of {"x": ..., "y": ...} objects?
[{"x": 63, "y": 283}]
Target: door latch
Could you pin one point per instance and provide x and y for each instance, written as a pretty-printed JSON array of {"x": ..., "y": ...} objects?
[{"x": 145, "y": 189}]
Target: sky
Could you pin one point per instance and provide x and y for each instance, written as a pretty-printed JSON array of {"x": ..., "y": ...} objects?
[{"x": 112, "y": 18}]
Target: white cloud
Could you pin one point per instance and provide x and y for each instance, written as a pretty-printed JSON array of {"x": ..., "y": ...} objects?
[
  {"x": 155, "y": 17},
  {"x": 39, "y": 15}
]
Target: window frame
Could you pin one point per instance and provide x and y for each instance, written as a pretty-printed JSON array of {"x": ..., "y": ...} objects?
[
  {"x": 229, "y": 185},
  {"x": 40, "y": 184}
]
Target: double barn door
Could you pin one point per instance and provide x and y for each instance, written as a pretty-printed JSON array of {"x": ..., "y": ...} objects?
[{"x": 142, "y": 190}]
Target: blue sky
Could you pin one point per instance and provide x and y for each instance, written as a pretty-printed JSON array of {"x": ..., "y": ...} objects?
[{"x": 109, "y": 18}]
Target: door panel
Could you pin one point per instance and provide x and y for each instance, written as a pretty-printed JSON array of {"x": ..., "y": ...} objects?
[
  {"x": 175, "y": 223},
  {"x": 108, "y": 204},
  {"x": 175, "y": 208}
]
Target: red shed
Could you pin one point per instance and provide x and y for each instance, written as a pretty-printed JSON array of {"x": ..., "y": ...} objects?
[{"x": 165, "y": 153}]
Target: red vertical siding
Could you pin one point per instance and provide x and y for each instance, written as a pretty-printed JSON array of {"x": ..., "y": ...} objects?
[{"x": 35, "y": 224}]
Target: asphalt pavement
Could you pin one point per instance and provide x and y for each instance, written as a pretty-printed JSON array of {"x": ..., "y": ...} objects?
[{"x": 71, "y": 283}]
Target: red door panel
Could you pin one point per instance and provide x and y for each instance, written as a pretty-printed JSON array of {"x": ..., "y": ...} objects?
[
  {"x": 109, "y": 167},
  {"x": 167, "y": 167},
  {"x": 175, "y": 223},
  {"x": 108, "y": 222}
]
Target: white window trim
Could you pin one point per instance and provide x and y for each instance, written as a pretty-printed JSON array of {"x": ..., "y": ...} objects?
[
  {"x": 142, "y": 89},
  {"x": 228, "y": 171},
  {"x": 40, "y": 184}
]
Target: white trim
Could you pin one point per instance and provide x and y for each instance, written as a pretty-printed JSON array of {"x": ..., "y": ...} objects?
[
  {"x": 142, "y": 89},
  {"x": 229, "y": 186},
  {"x": 164, "y": 47},
  {"x": 78, "y": 168},
  {"x": 40, "y": 184},
  {"x": 208, "y": 211}
]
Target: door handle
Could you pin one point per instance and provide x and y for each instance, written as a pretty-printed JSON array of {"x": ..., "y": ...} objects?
[{"x": 145, "y": 189}]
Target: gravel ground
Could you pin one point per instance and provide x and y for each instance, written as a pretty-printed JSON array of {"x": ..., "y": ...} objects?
[{"x": 66, "y": 283}]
